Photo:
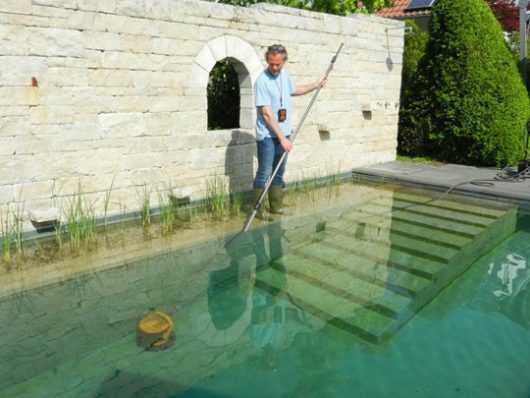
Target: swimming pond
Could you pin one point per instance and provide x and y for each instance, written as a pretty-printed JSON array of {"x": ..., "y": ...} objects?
[{"x": 347, "y": 298}]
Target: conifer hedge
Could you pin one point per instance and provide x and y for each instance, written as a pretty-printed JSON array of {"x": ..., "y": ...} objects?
[{"x": 470, "y": 105}]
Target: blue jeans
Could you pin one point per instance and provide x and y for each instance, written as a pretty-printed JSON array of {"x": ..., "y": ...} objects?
[{"x": 269, "y": 154}]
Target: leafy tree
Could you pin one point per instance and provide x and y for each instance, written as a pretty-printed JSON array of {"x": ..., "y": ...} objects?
[
  {"x": 337, "y": 7},
  {"x": 507, "y": 13},
  {"x": 223, "y": 97},
  {"x": 414, "y": 49},
  {"x": 470, "y": 104}
]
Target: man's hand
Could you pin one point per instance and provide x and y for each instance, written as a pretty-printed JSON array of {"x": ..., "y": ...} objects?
[
  {"x": 321, "y": 82},
  {"x": 286, "y": 144}
]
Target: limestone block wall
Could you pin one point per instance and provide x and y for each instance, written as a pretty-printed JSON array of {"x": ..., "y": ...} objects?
[{"x": 101, "y": 94}]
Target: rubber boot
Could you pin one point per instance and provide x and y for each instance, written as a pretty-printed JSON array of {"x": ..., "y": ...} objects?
[
  {"x": 276, "y": 199},
  {"x": 256, "y": 194}
]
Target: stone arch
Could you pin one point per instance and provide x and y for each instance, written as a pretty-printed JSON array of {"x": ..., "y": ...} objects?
[{"x": 246, "y": 62}]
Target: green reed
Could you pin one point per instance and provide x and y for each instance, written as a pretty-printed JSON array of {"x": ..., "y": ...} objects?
[
  {"x": 236, "y": 203},
  {"x": 168, "y": 218},
  {"x": 145, "y": 206},
  {"x": 18, "y": 219},
  {"x": 106, "y": 204},
  {"x": 7, "y": 235},
  {"x": 81, "y": 222},
  {"x": 217, "y": 198}
]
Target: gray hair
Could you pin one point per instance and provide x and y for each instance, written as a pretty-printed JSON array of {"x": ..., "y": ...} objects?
[{"x": 276, "y": 49}]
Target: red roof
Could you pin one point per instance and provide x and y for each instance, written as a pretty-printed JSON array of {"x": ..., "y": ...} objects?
[{"x": 398, "y": 11}]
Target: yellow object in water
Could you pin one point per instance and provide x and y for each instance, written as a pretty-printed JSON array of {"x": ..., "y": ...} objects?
[{"x": 154, "y": 330}]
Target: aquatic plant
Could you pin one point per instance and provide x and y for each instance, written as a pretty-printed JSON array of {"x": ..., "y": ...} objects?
[
  {"x": 18, "y": 218},
  {"x": 145, "y": 206},
  {"x": 217, "y": 198},
  {"x": 106, "y": 204},
  {"x": 236, "y": 203},
  {"x": 167, "y": 214},
  {"x": 7, "y": 237},
  {"x": 81, "y": 222},
  {"x": 182, "y": 208}
]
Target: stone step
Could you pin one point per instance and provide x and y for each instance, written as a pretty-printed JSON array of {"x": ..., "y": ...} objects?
[
  {"x": 410, "y": 244},
  {"x": 339, "y": 310},
  {"x": 455, "y": 226},
  {"x": 451, "y": 214},
  {"x": 489, "y": 209},
  {"x": 415, "y": 263},
  {"x": 369, "y": 269},
  {"x": 372, "y": 270},
  {"x": 340, "y": 282}
]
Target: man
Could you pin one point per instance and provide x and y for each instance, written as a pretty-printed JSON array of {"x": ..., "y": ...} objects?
[{"x": 272, "y": 92}]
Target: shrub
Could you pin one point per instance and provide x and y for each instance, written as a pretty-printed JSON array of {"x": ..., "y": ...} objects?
[
  {"x": 223, "y": 97},
  {"x": 410, "y": 143},
  {"x": 470, "y": 104}
]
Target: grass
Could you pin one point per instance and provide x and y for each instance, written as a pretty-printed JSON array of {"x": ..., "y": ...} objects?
[
  {"x": 419, "y": 159},
  {"x": 80, "y": 229},
  {"x": 81, "y": 222},
  {"x": 18, "y": 219},
  {"x": 168, "y": 219},
  {"x": 217, "y": 198},
  {"x": 7, "y": 236},
  {"x": 106, "y": 204},
  {"x": 11, "y": 228},
  {"x": 236, "y": 203},
  {"x": 145, "y": 206}
]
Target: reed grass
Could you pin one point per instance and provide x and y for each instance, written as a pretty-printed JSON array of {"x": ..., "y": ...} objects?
[
  {"x": 145, "y": 206},
  {"x": 106, "y": 204},
  {"x": 217, "y": 198},
  {"x": 81, "y": 222},
  {"x": 7, "y": 237},
  {"x": 18, "y": 219},
  {"x": 236, "y": 203},
  {"x": 167, "y": 214}
]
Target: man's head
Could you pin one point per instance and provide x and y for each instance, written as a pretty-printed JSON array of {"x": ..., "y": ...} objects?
[{"x": 275, "y": 56}]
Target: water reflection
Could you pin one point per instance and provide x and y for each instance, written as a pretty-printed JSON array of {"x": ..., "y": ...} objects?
[
  {"x": 275, "y": 319},
  {"x": 510, "y": 276}
]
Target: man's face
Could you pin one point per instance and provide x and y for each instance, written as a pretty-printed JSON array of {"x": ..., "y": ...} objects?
[{"x": 275, "y": 62}]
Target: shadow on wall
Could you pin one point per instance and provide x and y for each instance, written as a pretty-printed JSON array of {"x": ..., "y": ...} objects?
[{"x": 239, "y": 161}]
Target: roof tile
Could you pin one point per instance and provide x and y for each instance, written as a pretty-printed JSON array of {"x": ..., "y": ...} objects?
[{"x": 398, "y": 11}]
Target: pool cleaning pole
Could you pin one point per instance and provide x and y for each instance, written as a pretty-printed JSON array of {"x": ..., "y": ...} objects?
[{"x": 293, "y": 136}]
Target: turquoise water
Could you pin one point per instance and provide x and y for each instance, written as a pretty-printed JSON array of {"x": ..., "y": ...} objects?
[
  {"x": 234, "y": 337},
  {"x": 469, "y": 342}
]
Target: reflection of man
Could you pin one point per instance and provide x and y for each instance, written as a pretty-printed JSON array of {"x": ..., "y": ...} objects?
[
  {"x": 226, "y": 304},
  {"x": 273, "y": 90},
  {"x": 275, "y": 318}
]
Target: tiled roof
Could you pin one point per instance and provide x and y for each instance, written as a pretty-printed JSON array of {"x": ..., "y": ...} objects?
[{"x": 398, "y": 11}]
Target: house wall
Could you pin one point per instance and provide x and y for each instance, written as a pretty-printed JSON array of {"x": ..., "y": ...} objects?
[{"x": 110, "y": 97}]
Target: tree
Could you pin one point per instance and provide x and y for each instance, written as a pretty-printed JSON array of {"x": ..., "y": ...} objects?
[
  {"x": 223, "y": 97},
  {"x": 337, "y": 7},
  {"x": 507, "y": 13},
  {"x": 414, "y": 49},
  {"x": 470, "y": 104}
]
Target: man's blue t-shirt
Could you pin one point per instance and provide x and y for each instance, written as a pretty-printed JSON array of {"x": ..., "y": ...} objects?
[{"x": 274, "y": 91}]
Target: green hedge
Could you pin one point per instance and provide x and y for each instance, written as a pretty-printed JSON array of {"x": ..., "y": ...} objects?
[
  {"x": 414, "y": 49},
  {"x": 469, "y": 103}
]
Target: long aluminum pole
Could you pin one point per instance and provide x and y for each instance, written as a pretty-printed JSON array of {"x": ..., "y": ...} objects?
[{"x": 293, "y": 137}]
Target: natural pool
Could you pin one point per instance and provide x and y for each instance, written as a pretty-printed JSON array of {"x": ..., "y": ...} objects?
[{"x": 332, "y": 300}]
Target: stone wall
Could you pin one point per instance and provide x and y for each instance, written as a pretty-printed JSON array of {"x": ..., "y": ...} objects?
[{"x": 110, "y": 96}]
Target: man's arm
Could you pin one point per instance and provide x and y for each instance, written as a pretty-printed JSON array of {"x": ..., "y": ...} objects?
[
  {"x": 307, "y": 88},
  {"x": 270, "y": 119}
]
